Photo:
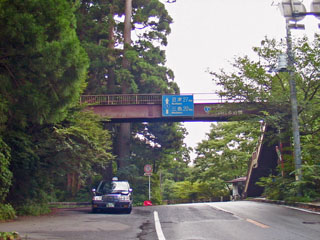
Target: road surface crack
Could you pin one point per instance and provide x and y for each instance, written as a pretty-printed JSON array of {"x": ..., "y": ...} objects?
[{"x": 146, "y": 230}]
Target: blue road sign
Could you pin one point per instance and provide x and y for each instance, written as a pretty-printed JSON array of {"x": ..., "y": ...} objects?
[{"x": 177, "y": 105}]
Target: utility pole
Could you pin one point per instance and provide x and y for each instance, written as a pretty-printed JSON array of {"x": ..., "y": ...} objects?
[
  {"x": 294, "y": 106},
  {"x": 294, "y": 11}
]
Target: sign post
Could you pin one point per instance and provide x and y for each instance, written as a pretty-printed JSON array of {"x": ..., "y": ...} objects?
[{"x": 148, "y": 172}]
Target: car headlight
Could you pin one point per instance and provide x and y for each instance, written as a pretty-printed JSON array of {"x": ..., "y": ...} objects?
[
  {"x": 97, "y": 198},
  {"x": 124, "y": 198}
]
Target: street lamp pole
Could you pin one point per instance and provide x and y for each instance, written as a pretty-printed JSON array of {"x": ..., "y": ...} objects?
[
  {"x": 294, "y": 10},
  {"x": 294, "y": 105}
]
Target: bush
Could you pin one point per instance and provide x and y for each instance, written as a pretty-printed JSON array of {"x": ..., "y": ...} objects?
[
  {"x": 33, "y": 209},
  {"x": 156, "y": 197},
  {"x": 276, "y": 188},
  {"x": 9, "y": 236},
  {"x": 287, "y": 189},
  {"x": 138, "y": 199},
  {"x": 84, "y": 195},
  {"x": 5, "y": 173},
  {"x": 6, "y": 212}
]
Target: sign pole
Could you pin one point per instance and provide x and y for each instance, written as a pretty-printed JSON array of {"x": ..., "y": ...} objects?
[
  {"x": 148, "y": 172},
  {"x": 149, "y": 189}
]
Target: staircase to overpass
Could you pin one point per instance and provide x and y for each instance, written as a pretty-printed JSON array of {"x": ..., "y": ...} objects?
[{"x": 264, "y": 162}]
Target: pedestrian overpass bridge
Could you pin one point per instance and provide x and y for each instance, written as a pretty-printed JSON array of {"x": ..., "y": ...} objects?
[{"x": 154, "y": 107}]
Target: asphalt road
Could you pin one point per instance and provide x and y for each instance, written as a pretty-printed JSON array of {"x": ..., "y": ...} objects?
[
  {"x": 217, "y": 221},
  {"x": 237, "y": 221}
]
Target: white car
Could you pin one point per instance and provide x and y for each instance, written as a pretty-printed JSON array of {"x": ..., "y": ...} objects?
[{"x": 115, "y": 195}]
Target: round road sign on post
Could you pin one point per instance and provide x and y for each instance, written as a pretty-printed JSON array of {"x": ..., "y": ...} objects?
[
  {"x": 148, "y": 169},
  {"x": 148, "y": 172}
]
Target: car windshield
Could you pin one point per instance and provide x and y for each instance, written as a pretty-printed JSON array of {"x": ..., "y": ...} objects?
[
  {"x": 113, "y": 187},
  {"x": 120, "y": 187}
]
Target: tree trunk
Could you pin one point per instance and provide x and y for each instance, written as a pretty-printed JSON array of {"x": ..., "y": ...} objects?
[
  {"x": 125, "y": 87},
  {"x": 124, "y": 139},
  {"x": 125, "y": 128},
  {"x": 111, "y": 47},
  {"x": 127, "y": 31}
]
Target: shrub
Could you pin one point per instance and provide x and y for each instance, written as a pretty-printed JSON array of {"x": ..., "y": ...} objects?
[
  {"x": 138, "y": 199},
  {"x": 6, "y": 212},
  {"x": 9, "y": 236},
  {"x": 5, "y": 173},
  {"x": 32, "y": 208},
  {"x": 286, "y": 188}
]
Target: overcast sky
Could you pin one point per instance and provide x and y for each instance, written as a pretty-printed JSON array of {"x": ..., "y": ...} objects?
[{"x": 208, "y": 34}]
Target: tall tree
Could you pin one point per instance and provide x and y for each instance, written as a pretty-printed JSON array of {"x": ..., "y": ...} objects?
[
  {"x": 42, "y": 65},
  {"x": 225, "y": 155},
  {"x": 121, "y": 63},
  {"x": 111, "y": 47},
  {"x": 99, "y": 34},
  {"x": 44, "y": 158},
  {"x": 124, "y": 136},
  {"x": 252, "y": 81},
  {"x": 42, "y": 73}
]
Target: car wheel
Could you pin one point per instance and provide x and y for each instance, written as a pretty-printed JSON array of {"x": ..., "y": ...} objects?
[
  {"x": 94, "y": 210},
  {"x": 128, "y": 211}
]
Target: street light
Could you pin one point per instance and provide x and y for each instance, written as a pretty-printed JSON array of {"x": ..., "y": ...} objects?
[{"x": 294, "y": 11}]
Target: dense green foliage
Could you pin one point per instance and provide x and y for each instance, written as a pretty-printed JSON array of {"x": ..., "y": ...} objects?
[
  {"x": 100, "y": 31},
  {"x": 9, "y": 236},
  {"x": 252, "y": 81},
  {"x": 6, "y": 212},
  {"x": 43, "y": 141},
  {"x": 220, "y": 158},
  {"x": 102, "y": 36},
  {"x": 50, "y": 149},
  {"x": 224, "y": 156},
  {"x": 5, "y": 174},
  {"x": 42, "y": 163},
  {"x": 160, "y": 145},
  {"x": 286, "y": 188},
  {"x": 43, "y": 67}
]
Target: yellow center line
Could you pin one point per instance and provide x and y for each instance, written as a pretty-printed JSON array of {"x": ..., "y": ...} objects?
[{"x": 257, "y": 223}]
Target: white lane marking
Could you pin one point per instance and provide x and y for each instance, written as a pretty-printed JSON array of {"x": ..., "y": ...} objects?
[
  {"x": 302, "y": 210},
  {"x": 222, "y": 210},
  {"x": 158, "y": 226}
]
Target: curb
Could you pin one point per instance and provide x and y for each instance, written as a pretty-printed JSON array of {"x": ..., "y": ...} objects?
[{"x": 308, "y": 206}]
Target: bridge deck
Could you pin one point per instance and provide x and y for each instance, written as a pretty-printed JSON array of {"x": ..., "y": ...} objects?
[
  {"x": 148, "y": 108},
  {"x": 148, "y": 113}
]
